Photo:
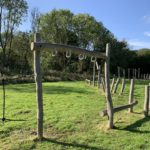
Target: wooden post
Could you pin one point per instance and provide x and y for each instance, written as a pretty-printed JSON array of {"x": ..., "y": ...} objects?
[
  {"x": 99, "y": 76},
  {"x": 39, "y": 95},
  {"x": 103, "y": 83},
  {"x": 149, "y": 95},
  {"x": 118, "y": 108},
  {"x": 116, "y": 85},
  {"x": 128, "y": 73},
  {"x": 135, "y": 73},
  {"x": 118, "y": 72},
  {"x": 123, "y": 83},
  {"x": 107, "y": 89},
  {"x": 131, "y": 94},
  {"x": 138, "y": 73},
  {"x": 146, "y": 103},
  {"x": 94, "y": 63},
  {"x": 132, "y": 73},
  {"x": 112, "y": 84},
  {"x": 123, "y": 86}
]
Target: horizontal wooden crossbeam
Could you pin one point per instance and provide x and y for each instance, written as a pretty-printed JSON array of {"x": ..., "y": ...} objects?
[
  {"x": 64, "y": 48},
  {"x": 119, "y": 108}
]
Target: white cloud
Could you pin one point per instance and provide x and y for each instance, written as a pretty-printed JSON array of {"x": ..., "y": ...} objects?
[
  {"x": 147, "y": 33},
  {"x": 146, "y": 19},
  {"x": 137, "y": 44}
]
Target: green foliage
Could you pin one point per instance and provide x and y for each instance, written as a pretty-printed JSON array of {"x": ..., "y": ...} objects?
[
  {"x": 12, "y": 13},
  {"x": 21, "y": 58},
  {"x": 64, "y": 27},
  {"x": 82, "y": 30},
  {"x": 141, "y": 60}
]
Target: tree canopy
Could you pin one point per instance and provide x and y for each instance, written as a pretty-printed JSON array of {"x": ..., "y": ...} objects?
[{"x": 63, "y": 27}]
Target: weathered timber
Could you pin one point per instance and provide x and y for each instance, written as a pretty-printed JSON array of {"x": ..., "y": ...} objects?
[
  {"x": 131, "y": 94},
  {"x": 116, "y": 85},
  {"x": 103, "y": 83},
  {"x": 99, "y": 76},
  {"x": 64, "y": 48},
  {"x": 107, "y": 89},
  {"x": 123, "y": 86},
  {"x": 94, "y": 63},
  {"x": 97, "y": 66},
  {"x": 118, "y": 72},
  {"x": 128, "y": 73},
  {"x": 118, "y": 108},
  {"x": 88, "y": 81},
  {"x": 39, "y": 95},
  {"x": 147, "y": 98},
  {"x": 112, "y": 84}
]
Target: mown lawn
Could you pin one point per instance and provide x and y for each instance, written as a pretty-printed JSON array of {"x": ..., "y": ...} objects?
[{"x": 72, "y": 119}]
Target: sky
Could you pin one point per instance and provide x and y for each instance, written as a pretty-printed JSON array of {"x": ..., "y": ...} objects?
[{"x": 127, "y": 19}]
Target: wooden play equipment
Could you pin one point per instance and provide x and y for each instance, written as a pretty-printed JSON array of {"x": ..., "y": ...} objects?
[{"x": 38, "y": 46}]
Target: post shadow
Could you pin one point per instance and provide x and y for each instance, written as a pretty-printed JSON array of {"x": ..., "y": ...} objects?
[{"x": 75, "y": 145}]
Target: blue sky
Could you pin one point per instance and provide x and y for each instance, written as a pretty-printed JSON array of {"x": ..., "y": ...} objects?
[{"x": 127, "y": 19}]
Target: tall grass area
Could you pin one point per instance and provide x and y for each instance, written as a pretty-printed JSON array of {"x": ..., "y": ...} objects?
[{"x": 71, "y": 119}]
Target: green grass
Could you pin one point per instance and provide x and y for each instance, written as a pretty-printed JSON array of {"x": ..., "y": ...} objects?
[{"x": 72, "y": 119}]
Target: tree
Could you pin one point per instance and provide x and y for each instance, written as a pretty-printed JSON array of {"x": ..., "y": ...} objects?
[
  {"x": 62, "y": 26},
  {"x": 141, "y": 60},
  {"x": 35, "y": 20},
  {"x": 21, "y": 58},
  {"x": 12, "y": 13}
]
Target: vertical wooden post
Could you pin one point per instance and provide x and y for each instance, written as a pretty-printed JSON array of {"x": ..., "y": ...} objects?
[
  {"x": 132, "y": 73},
  {"x": 103, "y": 83},
  {"x": 138, "y": 73},
  {"x": 112, "y": 84},
  {"x": 135, "y": 72},
  {"x": 94, "y": 63},
  {"x": 99, "y": 76},
  {"x": 128, "y": 73},
  {"x": 123, "y": 83},
  {"x": 131, "y": 94},
  {"x": 107, "y": 89},
  {"x": 146, "y": 103},
  {"x": 39, "y": 95},
  {"x": 116, "y": 85},
  {"x": 118, "y": 72}
]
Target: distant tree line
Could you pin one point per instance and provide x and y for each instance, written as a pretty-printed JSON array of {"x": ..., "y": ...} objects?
[{"x": 64, "y": 27}]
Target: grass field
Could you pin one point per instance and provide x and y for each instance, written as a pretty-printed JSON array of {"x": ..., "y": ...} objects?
[{"x": 72, "y": 119}]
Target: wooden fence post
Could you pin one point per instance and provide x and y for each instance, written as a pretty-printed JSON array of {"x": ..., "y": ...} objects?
[
  {"x": 128, "y": 73},
  {"x": 94, "y": 63},
  {"x": 99, "y": 76},
  {"x": 103, "y": 83},
  {"x": 131, "y": 94},
  {"x": 123, "y": 82},
  {"x": 107, "y": 89},
  {"x": 135, "y": 73},
  {"x": 112, "y": 84},
  {"x": 147, "y": 98},
  {"x": 38, "y": 82},
  {"x": 116, "y": 85},
  {"x": 138, "y": 73}
]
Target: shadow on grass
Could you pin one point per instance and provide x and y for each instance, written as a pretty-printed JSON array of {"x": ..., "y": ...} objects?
[
  {"x": 7, "y": 120},
  {"x": 134, "y": 127},
  {"x": 48, "y": 89},
  {"x": 74, "y": 145}
]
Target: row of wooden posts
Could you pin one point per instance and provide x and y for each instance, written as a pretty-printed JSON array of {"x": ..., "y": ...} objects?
[
  {"x": 131, "y": 73},
  {"x": 132, "y": 102}
]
